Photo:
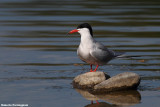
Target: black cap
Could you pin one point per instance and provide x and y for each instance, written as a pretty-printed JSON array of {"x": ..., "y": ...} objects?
[{"x": 86, "y": 25}]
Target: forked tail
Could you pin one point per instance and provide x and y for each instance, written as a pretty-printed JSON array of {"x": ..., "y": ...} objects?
[{"x": 122, "y": 55}]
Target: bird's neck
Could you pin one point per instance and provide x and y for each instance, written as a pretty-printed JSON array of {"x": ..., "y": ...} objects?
[{"x": 86, "y": 40}]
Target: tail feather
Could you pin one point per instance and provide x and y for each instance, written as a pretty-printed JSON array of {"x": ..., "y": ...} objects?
[
  {"x": 127, "y": 56},
  {"x": 122, "y": 55},
  {"x": 116, "y": 54}
]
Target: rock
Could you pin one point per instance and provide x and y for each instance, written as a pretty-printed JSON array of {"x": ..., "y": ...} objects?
[
  {"x": 89, "y": 79},
  {"x": 123, "y": 81}
]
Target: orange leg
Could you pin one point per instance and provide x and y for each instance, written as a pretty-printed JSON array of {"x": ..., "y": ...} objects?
[
  {"x": 91, "y": 68},
  {"x": 94, "y": 70},
  {"x": 97, "y": 102}
]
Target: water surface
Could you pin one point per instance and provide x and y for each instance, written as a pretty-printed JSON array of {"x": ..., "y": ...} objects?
[{"x": 39, "y": 61}]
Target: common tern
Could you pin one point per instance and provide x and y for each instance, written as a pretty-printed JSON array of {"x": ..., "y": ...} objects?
[{"x": 91, "y": 51}]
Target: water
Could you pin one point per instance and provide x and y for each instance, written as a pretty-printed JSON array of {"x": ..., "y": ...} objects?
[{"x": 38, "y": 59}]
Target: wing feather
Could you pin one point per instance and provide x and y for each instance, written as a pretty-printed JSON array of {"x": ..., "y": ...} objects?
[{"x": 101, "y": 53}]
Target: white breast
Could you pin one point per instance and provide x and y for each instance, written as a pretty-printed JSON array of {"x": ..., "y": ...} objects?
[
  {"x": 86, "y": 45},
  {"x": 83, "y": 52}
]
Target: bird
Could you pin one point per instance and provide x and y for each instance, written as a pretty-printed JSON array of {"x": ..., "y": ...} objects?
[{"x": 92, "y": 51}]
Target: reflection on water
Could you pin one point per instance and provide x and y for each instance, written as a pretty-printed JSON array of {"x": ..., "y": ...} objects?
[
  {"x": 36, "y": 53},
  {"x": 117, "y": 99},
  {"x": 124, "y": 98},
  {"x": 102, "y": 104}
]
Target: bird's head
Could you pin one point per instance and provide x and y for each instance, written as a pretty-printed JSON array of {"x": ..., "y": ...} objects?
[{"x": 83, "y": 29}]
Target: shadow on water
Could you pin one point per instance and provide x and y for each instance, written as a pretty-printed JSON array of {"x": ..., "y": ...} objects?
[{"x": 113, "y": 99}]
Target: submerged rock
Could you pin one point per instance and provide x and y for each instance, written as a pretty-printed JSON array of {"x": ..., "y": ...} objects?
[
  {"x": 123, "y": 81},
  {"x": 89, "y": 80}
]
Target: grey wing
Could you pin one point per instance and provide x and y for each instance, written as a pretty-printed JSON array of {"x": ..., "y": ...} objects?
[{"x": 101, "y": 53}]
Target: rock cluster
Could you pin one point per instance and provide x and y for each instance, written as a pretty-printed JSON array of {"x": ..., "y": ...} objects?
[{"x": 100, "y": 82}]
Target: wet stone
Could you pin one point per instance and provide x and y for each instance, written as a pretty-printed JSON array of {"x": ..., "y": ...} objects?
[
  {"x": 123, "y": 81},
  {"x": 89, "y": 79}
]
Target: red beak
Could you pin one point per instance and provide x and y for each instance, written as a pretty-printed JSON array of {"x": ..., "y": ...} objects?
[{"x": 73, "y": 31}]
